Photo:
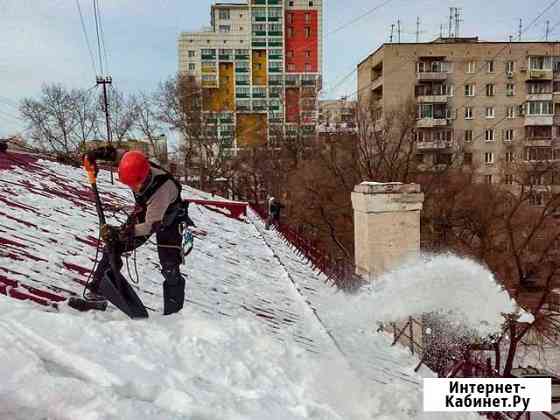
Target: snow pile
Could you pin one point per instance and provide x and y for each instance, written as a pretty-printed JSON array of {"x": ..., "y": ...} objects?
[
  {"x": 461, "y": 289},
  {"x": 187, "y": 366}
]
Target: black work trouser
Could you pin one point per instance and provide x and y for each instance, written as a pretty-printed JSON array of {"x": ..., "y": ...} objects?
[{"x": 169, "y": 253}]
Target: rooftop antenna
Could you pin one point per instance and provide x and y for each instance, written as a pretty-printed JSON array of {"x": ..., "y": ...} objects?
[
  {"x": 392, "y": 30},
  {"x": 457, "y": 21},
  {"x": 449, "y": 32},
  {"x": 520, "y": 30},
  {"x": 547, "y": 31},
  {"x": 399, "y": 30},
  {"x": 441, "y": 30},
  {"x": 417, "y": 29}
]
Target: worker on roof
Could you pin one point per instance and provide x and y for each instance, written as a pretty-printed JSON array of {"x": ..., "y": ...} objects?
[{"x": 159, "y": 209}]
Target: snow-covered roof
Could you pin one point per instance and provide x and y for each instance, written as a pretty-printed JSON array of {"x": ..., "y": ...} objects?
[{"x": 261, "y": 334}]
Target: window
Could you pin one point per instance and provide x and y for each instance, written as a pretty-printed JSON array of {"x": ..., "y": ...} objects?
[
  {"x": 508, "y": 134},
  {"x": 308, "y": 68},
  {"x": 540, "y": 63},
  {"x": 510, "y": 112},
  {"x": 490, "y": 112},
  {"x": 443, "y": 159},
  {"x": 510, "y": 89},
  {"x": 468, "y": 136},
  {"x": 467, "y": 158},
  {"x": 224, "y": 14},
  {"x": 419, "y": 157},
  {"x": 489, "y": 134},
  {"x": 291, "y": 3},
  {"x": 538, "y": 132},
  {"x": 307, "y": 18},
  {"x": 490, "y": 89},
  {"x": 540, "y": 108},
  {"x": 468, "y": 113},
  {"x": 510, "y": 67},
  {"x": 225, "y": 28},
  {"x": 290, "y": 54},
  {"x": 488, "y": 179},
  {"x": 471, "y": 66},
  {"x": 509, "y": 157},
  {"x": 291, "y": 67},
  {"x": 489, "y": 158},
  {"x": 469, "y": 90},
  {"x": 192, "y": 53},
  {"x": 290, "y": 32},
  {"x": 307, "y": 54},
  {"x": 490, "y": 66},
  {"x": 192, "y": 67},
  {"x": 275, "y": 27},
  {"x": 310, "y": 4},
  {"x": 307, "y": 32},
  {"x": 508, "y": 179},
  {"x": 208, "y": 52}
]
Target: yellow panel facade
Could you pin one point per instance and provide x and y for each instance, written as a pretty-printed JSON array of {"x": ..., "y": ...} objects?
[
  {"x": 259, "y": 68},
  {"x": 223, "y": 98},
  {"x": 251, "y": 130}
]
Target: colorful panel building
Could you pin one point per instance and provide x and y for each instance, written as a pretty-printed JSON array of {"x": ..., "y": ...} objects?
[{"x": 260, "y": 66}]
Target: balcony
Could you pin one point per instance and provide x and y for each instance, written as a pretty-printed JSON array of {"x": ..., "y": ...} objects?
[
  {"x": 273, "y": 2},
  {"x": 275, "y": 69},
  {"x": 309, "y": 82},
  {"x": 434, "y": 145},
  {"x": 209, "y": 69},
  {"x": 539, "y": 96},
  {"x": 242, "y": 82},
  {"x": 377, "y": 83},
  {"x": 431, "y": 122},
  {"x": 538, "y": 142},
  {"x": 209, "y": 83},
  {"x": 275, "y": 43},
  {"x": 432, "y": 99},
  {"x": 242, "y": 69},
  {"x": 259, "y": 44},
  {"x": 208, "y": 56},
  {"x": 292, "y": 80},
  {"x": 275, "y": 33},
  {"x": 274, "y": 82},
  {"x": 556, "y": 119},
  {"x": 241, "y": 56},
  {"x": 538, "y": 74},
  {"x": 431, "y": 75},
  {"x": 224, "y": 57},
  {"x": 539, "y": 120},
  {"x": 258, "y": 2}
]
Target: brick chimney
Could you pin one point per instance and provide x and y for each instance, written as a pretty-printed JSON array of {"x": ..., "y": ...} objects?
[{"x": 386, "y": 225}]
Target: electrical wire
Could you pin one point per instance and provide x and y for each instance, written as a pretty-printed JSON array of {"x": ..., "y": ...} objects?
[
  {"x": 86, "y": 37},
  {"x": 103, "y": 43},
  {"x": 367, "y": 13},
  {"x": 95, "y": 13}
]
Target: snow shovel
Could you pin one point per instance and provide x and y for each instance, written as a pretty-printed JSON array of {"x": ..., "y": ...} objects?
[{"x": 113, "y": 286}]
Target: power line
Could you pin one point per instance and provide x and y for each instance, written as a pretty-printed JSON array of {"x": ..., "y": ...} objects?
[
  {"x": 86, "y": 36},
  {"x": 363, "y": 15},
  {"x": 98, "y": 37},
  {"x": 103, "y": 43}
]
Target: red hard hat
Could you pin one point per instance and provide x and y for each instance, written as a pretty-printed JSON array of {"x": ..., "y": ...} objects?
[{"x": 133, "y": 168}]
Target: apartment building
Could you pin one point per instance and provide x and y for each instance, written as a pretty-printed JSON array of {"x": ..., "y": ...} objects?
[
  {"x": 337, "y": 115},
  {"x": 496, "y": 102},
  {"x": 259, "y": 64}
]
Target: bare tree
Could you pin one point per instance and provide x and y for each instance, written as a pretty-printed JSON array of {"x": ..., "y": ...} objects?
[
  {"x": 123, "y": 112},
  {"x": 87, "y": 115},
  {"x": 53, "y": 119}
]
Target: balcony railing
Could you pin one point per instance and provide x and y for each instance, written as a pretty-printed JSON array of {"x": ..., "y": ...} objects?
[
  {"x": 431, "y": 122},
  {"x": 539, "y": 120},
  {"x": 434, "y": 99},
  {"x": 434, "y": 145},
  {"x": 431, "y": 75},
  {"x": 540, "y": 74}
]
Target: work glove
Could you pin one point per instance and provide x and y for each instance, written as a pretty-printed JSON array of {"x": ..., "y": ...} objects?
[
  {"x": 107, "y": 153},
  {"x": 109, "y": 233}
]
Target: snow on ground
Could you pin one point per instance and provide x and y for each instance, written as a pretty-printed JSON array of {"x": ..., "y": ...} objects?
[{"x": 261, "y": 334}]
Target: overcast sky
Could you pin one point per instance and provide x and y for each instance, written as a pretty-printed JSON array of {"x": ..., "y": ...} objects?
[{"x": 41, "y": 41}]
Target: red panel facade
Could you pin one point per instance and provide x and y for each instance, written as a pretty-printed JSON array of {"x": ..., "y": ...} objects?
[
  {"x": 302, "y": 41},
  {"x": 292, "y": 105}
]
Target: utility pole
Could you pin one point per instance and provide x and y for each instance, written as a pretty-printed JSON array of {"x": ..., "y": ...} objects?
[
  {"x": 392, "y": 30},
  {"x": 417, "y": 29},
  {"x": 399, "y": 29},
  {"x": 547, "y": 31},
  {"x": 104, "y": 81},
  {"x": 520, "y": 30}
]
